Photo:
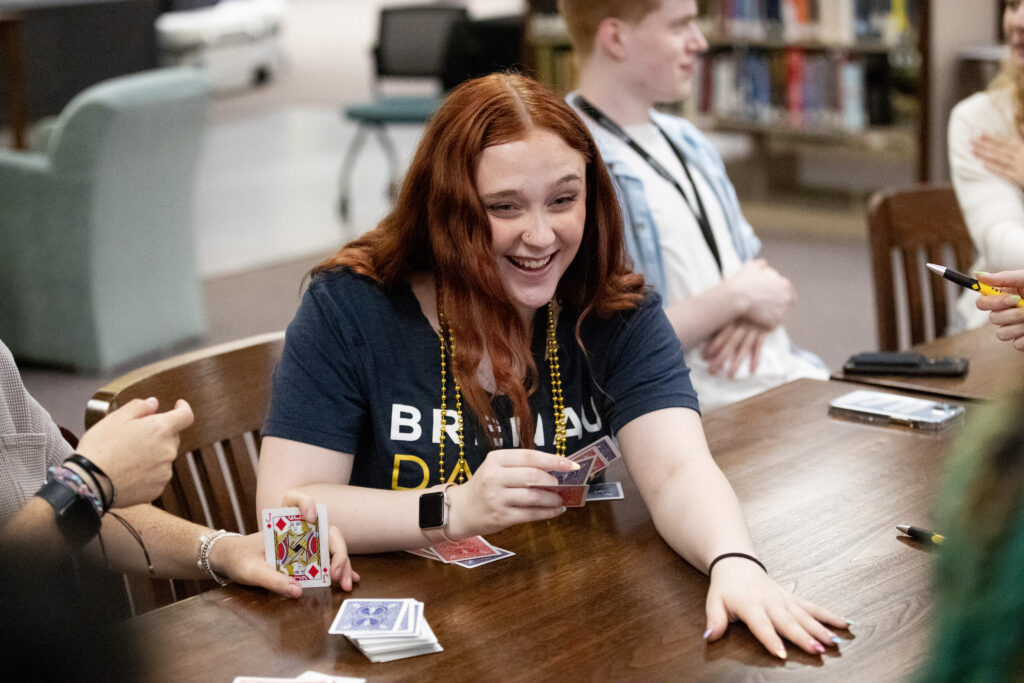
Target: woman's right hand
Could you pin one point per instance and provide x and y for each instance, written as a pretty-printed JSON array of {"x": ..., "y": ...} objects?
[
  {"x": 499, "y": 495},
  {"x": 1007, "y": 317}
]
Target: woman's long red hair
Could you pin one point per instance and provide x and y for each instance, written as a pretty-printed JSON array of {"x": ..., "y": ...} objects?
[{"x": 440, "y": 225}]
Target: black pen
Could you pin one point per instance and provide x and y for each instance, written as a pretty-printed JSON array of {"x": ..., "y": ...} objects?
[
  {"x": 923, "y": 535},
  {"x": 967, "y": 281}
]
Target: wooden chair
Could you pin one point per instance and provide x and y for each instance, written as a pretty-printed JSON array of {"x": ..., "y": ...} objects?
[
  {"x": 908, "y": 227},
  {"x": 214, "y": 481}
]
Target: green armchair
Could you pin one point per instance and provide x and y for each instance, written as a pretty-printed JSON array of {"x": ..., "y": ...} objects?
[{"x": 97, "y": 251}]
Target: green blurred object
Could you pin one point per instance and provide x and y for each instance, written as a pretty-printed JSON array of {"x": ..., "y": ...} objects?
[
  {"x": 979, "y": 601},
  {"x": 97, "y": 251}
]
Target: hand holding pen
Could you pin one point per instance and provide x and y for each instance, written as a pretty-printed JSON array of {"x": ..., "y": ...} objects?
[{"x": 1000, "y": 295}]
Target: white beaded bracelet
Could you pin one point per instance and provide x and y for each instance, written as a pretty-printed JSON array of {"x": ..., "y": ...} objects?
[{"x": 205, "y": 547}]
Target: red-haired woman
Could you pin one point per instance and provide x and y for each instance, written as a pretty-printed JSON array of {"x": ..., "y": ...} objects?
[{"x": 487, "y": 326}]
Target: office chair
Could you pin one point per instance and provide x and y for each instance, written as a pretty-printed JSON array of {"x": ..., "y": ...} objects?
[
  {"x": 411, "y": 43},
  {"x": 214, "y": 480},
  {"x": 910, "y": 226}
]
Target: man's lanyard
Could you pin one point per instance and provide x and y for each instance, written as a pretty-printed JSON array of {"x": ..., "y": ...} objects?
[{"x": 699, "y": 214}]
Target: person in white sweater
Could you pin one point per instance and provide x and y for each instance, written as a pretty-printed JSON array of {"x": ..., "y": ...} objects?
[{"x": 986, "y": 160}]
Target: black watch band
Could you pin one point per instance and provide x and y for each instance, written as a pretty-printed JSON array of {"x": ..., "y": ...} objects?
[{"x": 76, "y": 516}]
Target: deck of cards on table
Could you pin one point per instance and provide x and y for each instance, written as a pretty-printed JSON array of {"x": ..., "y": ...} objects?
[
  {"x": 386, "y": 629},
  {"x": 468, "y": 552},
  {"x": 297, "y": 548}
]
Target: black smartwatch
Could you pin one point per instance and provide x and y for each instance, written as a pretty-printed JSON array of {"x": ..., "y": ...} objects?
[
  {"x": 76, "y": 516},
  {"x": 434, "y": 514}
]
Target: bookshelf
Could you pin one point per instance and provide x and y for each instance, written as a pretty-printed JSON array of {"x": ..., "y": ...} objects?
[{"x": 870, "y": 82}]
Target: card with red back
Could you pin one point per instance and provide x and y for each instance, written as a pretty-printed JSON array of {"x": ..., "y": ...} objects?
[
  {"x": 589, "y": 453},
  {"x": 466, "y": 549},
  {"x": 604, "y": 451},
  {"x": 296, "y": 547},
  {"x": 573, "y": 496},
  {"x": 576, "y": 476}
]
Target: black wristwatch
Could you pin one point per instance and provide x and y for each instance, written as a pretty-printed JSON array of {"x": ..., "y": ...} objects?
[{"x": 76, "y": 516}]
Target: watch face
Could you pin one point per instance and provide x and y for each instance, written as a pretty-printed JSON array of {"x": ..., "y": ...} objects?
[{"x": 432, "y": 510}]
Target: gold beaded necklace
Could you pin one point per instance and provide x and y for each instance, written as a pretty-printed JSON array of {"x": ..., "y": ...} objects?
[{"x": 448, "y": 352}]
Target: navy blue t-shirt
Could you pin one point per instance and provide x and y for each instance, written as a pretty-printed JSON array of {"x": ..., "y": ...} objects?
[{"x": 361, "y": 374}]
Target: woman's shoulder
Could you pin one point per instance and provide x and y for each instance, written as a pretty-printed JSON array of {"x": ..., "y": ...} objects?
[
  {"x": 343, "y": 283},
  {"x": 352, "y": 294},
  {"x": 985, "y": 105}
]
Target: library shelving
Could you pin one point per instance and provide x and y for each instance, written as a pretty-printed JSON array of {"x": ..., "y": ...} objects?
[{"x": 870, "y": 75}]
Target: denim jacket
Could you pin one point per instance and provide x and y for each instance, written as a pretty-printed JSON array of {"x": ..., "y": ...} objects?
[{"x": 641, "y": 235}]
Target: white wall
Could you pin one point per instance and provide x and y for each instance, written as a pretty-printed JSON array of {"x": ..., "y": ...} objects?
[{"x": 954, "y": 28}]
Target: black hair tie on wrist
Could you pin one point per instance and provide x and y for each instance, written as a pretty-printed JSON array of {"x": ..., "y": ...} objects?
[
  {"x": 743, "y": 555},
  {"x": 93, "y": 470}
]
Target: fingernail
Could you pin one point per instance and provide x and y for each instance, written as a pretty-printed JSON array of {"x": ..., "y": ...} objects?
[
  {"x": 836, "y": 639},
  {"x": 706, "y": 634},
  {"x": 781, "y": 653},
  {"x": 851, "y": 623},
  {"x": 818, "y": 647},
  {"x": 1015, "y": 299},
  {"x": 979, "y": 272},
  {"x": 575, "y": 465},
  {"x": 564, "y": 508}
]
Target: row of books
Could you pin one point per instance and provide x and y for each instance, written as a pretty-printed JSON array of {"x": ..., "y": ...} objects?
[
  {"x": 832, "y": 22},
  {"x": 794, "y": 88}
]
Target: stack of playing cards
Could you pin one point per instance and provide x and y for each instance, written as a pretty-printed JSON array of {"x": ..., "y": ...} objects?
[
  {"x": 572, "y": 486},
  {"x": 297, "y": 548},
  {"x": 385, "y": 630},
  {"x": 469, "y": 552}
]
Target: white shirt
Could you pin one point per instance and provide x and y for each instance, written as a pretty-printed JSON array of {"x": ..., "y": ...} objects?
[
  {"x": 690, "y": 267},
  {"x": 993, "y": 208}
]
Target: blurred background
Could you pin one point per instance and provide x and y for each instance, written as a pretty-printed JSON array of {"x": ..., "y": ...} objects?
[{"x": 288, "y": 77}]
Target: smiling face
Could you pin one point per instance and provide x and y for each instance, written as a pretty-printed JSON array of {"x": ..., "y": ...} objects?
[
  {"x": 663, "y": 49},
  {"x": 1013, "y": 28},
  {"x": 534, "y": 192}
]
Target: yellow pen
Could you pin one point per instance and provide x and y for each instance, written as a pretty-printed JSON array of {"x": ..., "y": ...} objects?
[
  {"x": 922, "y": 535},
  {"x": 967, "y": 281}
]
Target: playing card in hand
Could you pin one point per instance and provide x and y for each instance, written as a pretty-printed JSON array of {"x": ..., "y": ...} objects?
[
  {"x": 297, "y": 548},
  {"x": 575, "y": 476},
  {"x": 573, "y": 496},
  {"x": 603, "y": 451}
]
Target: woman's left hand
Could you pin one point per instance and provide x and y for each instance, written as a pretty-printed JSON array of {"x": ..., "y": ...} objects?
[
  {"x": 741, "y": 590},
  {"x": 1002, "y": 156},
  {"x": 243, "y": 558}
]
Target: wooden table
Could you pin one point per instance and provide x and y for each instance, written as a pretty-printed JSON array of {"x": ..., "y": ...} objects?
[
  {"x": 995, "y": 368},
  {"x": 597, "y": 595}
]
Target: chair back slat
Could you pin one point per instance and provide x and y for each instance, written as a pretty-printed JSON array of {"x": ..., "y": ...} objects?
[
  {"x": 216, "y": 488},
  {"x": 921, "y": 222},
  {"x": 239, "y": 456},
  {"x": 214, "y": 480}
]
